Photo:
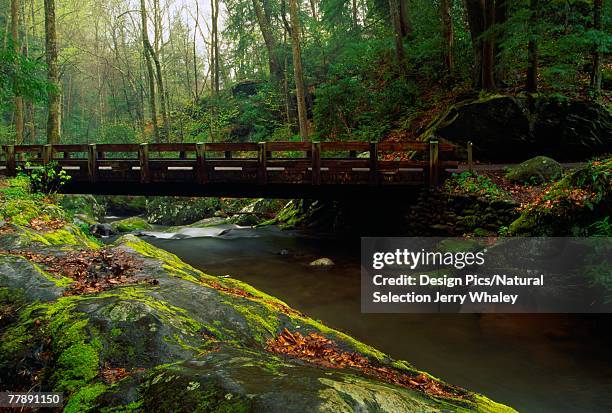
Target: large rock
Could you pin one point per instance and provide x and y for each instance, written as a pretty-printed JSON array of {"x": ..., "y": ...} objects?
[
  {"x": 130, "y": 224},
  {"x": 536, "y": 170},
  {"x": 517, "y": 127},
  {"x": 180, "y": 210},
  {"x": 188, "y": 342}
]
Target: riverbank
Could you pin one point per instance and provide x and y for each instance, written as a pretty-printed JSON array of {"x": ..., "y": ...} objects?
[{"x": 151, "y": 331}]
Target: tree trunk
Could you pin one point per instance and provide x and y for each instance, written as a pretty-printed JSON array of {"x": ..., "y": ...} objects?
[
  {"x": 475, "y": 13},
  {"x": 406, "y": 26},
  {"x": 447, "y": 31},
  {"x": 276, "y": 71},
  {"x": 532, "y": 57},
  {"x": 502, "y": 9},
  {"x": 215, "y": 39},
  {"x": 394, "y": 13},
  {"x": 597, "y": 53},
  {"x": 53, "y": 119},
  {"x": 488, "y": 55},
  {"x": 19, "y": 120},
  {"x": 147, "y": 49},
  {"x": 297, "y": 70}
]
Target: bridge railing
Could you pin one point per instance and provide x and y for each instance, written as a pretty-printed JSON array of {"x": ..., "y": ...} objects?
[{"x": 314, "y": 163}]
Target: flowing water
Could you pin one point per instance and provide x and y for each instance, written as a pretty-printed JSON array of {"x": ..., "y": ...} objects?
[{"x": 535, "y": 363}]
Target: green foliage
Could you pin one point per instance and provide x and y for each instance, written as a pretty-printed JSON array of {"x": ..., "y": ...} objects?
[
  {"x": 47, "y": 179},
  {"x": 473, "y": 184}
]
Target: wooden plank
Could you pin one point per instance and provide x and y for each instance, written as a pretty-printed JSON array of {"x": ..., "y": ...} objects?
[
  {"x": 470, "y": 156},
  {"x": 232, "y": 147},
  {"x": 434, "y": 166},
  {"x": 172, "y": 147},
  {"x": 47, "y": 154},
  {"x": 11, "y": 165},
  {"x": 118, "y": 147},
  {"x": 201, "y": 168},
  {"x": 345, "y": 146},
  {"x": 412, "y": 146},
  {"x": 28, "y": 148},
  {"x": 316, "y": 163},
  {"x": 69, "y": 148},
  {"x": 92, "y": 165},
  {"x": 143, "y": 157},
  {"x": 262, "y": 172},
  {"x": 289, "y": 146},
  {"x": 373, "y": 163}
]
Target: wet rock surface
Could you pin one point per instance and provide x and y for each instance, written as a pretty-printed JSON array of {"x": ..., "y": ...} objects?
[{"x": 188, "y": 342}]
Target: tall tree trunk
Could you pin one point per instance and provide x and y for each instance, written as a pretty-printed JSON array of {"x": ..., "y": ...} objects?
[
  {"x": 54, "y": 117},
  {"x": 502, "y": 9},
  {"x": 488, "y": 55},
  {"x": 475, "y": 13},
  {"x": 276, "y": 71},
  {"x": 215, "y": 40},
  {"x": 297, "y": 70},
  {"x": 597, "y": 53},
  {"x": 447, "y": 32},
  {"x": 30, "y": 123},
  {"x": 532, "y": 50},
  {"x": 355, "y": 18},
  {"x": 405, "y": 24},
  {"x": 399, "y": 39},
  {"x": 19, "y": 119},
  {"x": 148, "y": 51}
]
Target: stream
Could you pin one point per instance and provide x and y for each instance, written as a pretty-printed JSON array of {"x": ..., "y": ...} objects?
[{"x": 534, "y": 363}]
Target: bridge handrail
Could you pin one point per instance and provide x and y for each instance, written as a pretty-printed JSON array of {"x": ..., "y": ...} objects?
[{"x": 315, "y": 154}]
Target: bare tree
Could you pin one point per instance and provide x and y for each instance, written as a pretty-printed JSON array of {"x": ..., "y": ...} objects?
[
  {"x": 447, "y": 33},
  {"x": 19, "y": 118}
]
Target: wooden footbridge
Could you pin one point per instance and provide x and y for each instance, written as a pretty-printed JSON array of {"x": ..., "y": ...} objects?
[{"x": 265, "y": 169}]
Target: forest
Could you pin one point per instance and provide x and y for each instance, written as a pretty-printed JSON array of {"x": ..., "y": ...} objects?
[{"x": 268, "y": 70}]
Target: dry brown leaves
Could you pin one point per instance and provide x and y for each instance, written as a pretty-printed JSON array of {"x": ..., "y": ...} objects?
[
  {"x": 46, "y": 225},
  {"x": 112, "y": 375},
  {"x": 92, "y": 270},
  {"x": 317, "y": 349}
]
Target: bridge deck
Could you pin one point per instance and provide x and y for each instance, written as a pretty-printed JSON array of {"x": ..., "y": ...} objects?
[{"x": 271, "y": 169}]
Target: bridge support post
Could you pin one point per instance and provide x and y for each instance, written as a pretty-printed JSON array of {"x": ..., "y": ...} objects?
[
  {"x": 201, "y": 169},
  {"x": 47, "y": 154},
  {"x": 373, "y": 163},
  {"x": 143, "y": 158},
  {"x": 262, "y": 171},
  {"x": 11, "y": 164},
  {"x": 92, "y": 162},
  {"x": 316, "y": 163},
  {"x": 434, "y": 164},
  {"x": 470, "y": 156}
]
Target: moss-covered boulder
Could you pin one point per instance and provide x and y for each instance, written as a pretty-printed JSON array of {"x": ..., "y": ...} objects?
[
  {"x": 180, "y": 210},
  {"x": 536, "y": 170},
  {"x": 579, "y": 204},
  {"x": 84, "y": 208},
  {"x": 504, "y": 127},
  {"x": 187, "y": 342},
  {"x": 131, "y": 224}
]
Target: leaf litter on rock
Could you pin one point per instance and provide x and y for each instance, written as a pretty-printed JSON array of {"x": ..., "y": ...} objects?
[{"x": 317, "y": 349}]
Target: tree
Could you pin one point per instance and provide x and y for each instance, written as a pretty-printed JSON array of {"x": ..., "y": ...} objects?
[
  {"x": 54, "y": 115},
  {"x": 148, "y": 52},
  {"x": 394, "y": 13},
  {"x": 297, "y": 70},
  {"x": 481, "y": 19},
  {"x": 19, "y": 118},
  {"x": 265, "y": 26},
  {"x": 532, "y": 49},
  {"x": 597, "y": 53},
  {"x": 447, "y": 33}
]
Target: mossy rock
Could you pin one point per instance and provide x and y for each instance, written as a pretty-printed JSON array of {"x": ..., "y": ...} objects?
[
  {"x": 84, "y": 207},
  {"x": 191, "y": 342},
  {"x": 579, "y": 204},
  {"x": 131, "y": 224},
  {"x": 536, "y": 170}
]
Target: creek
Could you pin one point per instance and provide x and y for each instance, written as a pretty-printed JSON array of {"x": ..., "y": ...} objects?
[{"x": 534, "y": 363}]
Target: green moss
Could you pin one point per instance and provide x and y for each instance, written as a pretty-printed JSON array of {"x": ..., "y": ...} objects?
[
  {"x": 58, "y": 280},
  {"x": 84, "y": 399},
  {"x": 77, "y": 365},
  {"x": 131, "y": 224}
]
